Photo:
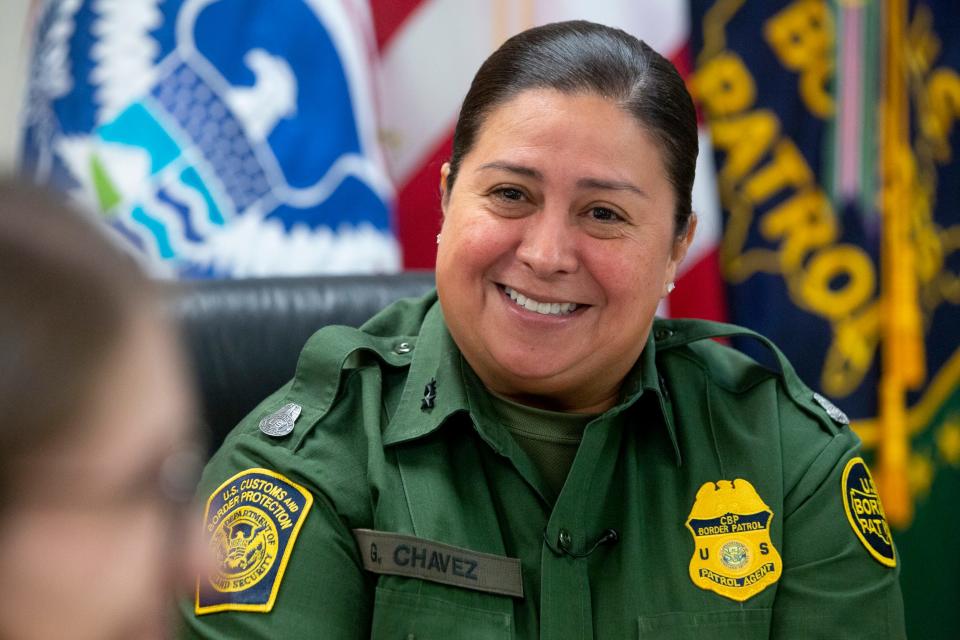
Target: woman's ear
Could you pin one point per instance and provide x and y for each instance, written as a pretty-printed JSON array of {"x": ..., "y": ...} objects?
[
  {"x": 680, "y": 246},
  {"x": 683, "y": 243},
  {"x": 444, "y": 195}
]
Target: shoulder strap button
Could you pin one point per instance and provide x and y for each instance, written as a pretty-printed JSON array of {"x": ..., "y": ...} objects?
[
  {"x": 402, "y": 348},
  {"x": 662, "y": 334}
]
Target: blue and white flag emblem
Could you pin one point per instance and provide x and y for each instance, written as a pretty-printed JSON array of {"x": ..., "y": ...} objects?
[{"x": 221, "y": 138}]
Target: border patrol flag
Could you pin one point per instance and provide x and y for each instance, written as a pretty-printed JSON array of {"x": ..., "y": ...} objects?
[
  {"x": 218, "y": 138},
  {"x": 834, "y": 130}
]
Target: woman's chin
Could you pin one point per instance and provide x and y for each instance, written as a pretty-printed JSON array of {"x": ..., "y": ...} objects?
[{"x": 541, "y": 375}]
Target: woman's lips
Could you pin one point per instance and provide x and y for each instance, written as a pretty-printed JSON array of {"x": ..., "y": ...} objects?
[{"x": 541, "y": 307}]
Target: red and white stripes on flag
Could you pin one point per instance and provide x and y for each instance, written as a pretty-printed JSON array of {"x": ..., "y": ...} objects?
[{"x": 429, "y": 51}]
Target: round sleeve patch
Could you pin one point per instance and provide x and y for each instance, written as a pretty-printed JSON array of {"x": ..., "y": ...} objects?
[
  {"x": 251, "y": 522},
  {"x": 865, "y": 513}
]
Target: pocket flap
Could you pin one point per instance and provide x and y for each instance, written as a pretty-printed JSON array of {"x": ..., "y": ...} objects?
[{"x": 743, "y": 624}]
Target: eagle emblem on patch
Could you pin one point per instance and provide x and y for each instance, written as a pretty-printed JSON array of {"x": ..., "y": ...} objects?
[
  {"x": 733, "y": 554},
  {"x": 865, "y": 513},
  {"x": 251, "y": 521}
]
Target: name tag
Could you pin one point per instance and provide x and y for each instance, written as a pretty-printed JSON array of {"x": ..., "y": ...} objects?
[{"x": 402, "y": 555}]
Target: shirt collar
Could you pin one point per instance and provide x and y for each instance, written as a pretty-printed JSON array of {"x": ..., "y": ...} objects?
[
  {"x": 437, "y": 359},
  {"x": 645, "y": 377}
]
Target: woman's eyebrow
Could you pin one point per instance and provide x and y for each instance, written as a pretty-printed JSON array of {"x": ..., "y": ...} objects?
[
  {"x": 611, "y": 185},
  {"x": 582, "y": 183},
  {"x": 512, "y": 168}
]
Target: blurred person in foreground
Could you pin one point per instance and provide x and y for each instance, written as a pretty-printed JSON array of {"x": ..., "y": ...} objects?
[
  {"x": 96, "y": 444},
  {"x": 527, "y": 452}
]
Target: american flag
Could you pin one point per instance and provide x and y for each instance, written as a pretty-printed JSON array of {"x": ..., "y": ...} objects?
[{"x": 428, "y": 52}]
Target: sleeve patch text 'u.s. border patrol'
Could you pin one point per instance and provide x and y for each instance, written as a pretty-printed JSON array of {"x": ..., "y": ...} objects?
[
  {"x": 865, "y": 513},
  {"x": 251, "y": 522},
  {"x": 733, "y": 554}
]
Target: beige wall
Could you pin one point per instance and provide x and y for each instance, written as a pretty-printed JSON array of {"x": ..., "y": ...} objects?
[{"x": 14, "y": 52}]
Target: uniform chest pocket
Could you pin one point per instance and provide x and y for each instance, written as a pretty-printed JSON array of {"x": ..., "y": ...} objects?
[
  {"x": 412, "y": 616},
  {"x": 743, "y": 624}
]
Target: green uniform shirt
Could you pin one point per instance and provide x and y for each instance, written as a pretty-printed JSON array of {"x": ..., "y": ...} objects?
[
  {"x": 550, "y": 438},
  {"x": 396, "y": 434}
]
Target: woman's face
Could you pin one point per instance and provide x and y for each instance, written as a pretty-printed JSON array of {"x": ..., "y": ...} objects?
[
  {"x": 557, "y": 245},
  {"x": 89, "y": 544}
]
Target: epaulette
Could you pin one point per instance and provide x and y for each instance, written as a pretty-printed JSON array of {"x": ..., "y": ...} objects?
[
  {"x": 670, "y": 334},
  {"x": 316, "y": 383},
  {"x": 389, "y": 337}
]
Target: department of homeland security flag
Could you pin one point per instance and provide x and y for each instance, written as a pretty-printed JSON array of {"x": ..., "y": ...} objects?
[
  {"x": 324, "y": 211},
  {"x": 221, "y": 139},
  {"x": 842, "y": 235}
]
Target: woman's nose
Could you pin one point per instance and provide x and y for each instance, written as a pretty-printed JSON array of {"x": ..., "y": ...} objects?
[{"x": 548, "y": 246}]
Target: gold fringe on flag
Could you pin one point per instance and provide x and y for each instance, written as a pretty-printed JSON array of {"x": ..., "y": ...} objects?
[{"x": 903, "y": 361}]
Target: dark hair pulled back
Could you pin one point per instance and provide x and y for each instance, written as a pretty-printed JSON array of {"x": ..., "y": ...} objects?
[{"x": 584, "y": 57}]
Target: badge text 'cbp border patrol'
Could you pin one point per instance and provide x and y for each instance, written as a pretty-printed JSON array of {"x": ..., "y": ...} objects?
[{"x": 733, "y": 553}]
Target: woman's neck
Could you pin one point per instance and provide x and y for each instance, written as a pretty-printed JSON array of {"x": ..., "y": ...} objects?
[{"x": 568, "y": 403}]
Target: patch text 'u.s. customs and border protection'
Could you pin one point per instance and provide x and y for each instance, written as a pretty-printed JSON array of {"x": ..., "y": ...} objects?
[{"x": 251, "y": 522}]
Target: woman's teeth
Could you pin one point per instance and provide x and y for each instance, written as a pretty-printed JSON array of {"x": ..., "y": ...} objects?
[{"x": 546, "y": 308}]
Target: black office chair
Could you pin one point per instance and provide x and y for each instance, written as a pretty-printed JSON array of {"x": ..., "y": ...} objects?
[{"x": 243, "y": 337}]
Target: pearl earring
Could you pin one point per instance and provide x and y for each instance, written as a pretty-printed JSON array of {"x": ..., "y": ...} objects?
[
  {"x": 671, "y": 287},
  {"x": 438, "y": 238}
]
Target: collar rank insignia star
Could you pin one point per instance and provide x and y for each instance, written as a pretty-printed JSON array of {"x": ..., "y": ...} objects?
[
  {"x": 280, "y": 422},
  {"x": 732, "y": 551},
  {"x": 865, "y": 513},
  {"x": 429, "y": 395},
  {"x": 832, "y": 410},
  {"x": 251, "y": 522}
]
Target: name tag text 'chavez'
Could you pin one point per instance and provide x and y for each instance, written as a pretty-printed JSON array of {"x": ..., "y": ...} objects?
[{"x": 398, "y": 554}]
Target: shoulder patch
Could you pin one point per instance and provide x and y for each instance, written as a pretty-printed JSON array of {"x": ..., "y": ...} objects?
[
  {"x": 861, "y": 502},
  {"x": 251, "y": 521},
  {"x": 733, "y": 554}
]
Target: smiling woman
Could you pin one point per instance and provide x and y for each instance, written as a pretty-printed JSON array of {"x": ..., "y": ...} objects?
[
  {"x": 539, "y": 213},
  {"x": 528, "y": 452}
]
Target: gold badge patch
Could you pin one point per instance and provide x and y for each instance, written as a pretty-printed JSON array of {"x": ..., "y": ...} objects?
[
  {"x": 252, "y": 521},
  {"x": 733, "y": 554},
  {"x": 865, "y": 513}
]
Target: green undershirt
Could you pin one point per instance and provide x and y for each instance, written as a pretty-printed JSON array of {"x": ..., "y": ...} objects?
[{"x": 549, "y": 438}]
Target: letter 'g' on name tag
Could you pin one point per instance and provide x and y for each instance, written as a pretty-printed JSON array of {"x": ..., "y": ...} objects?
[{"x": 402, "y": 555}]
